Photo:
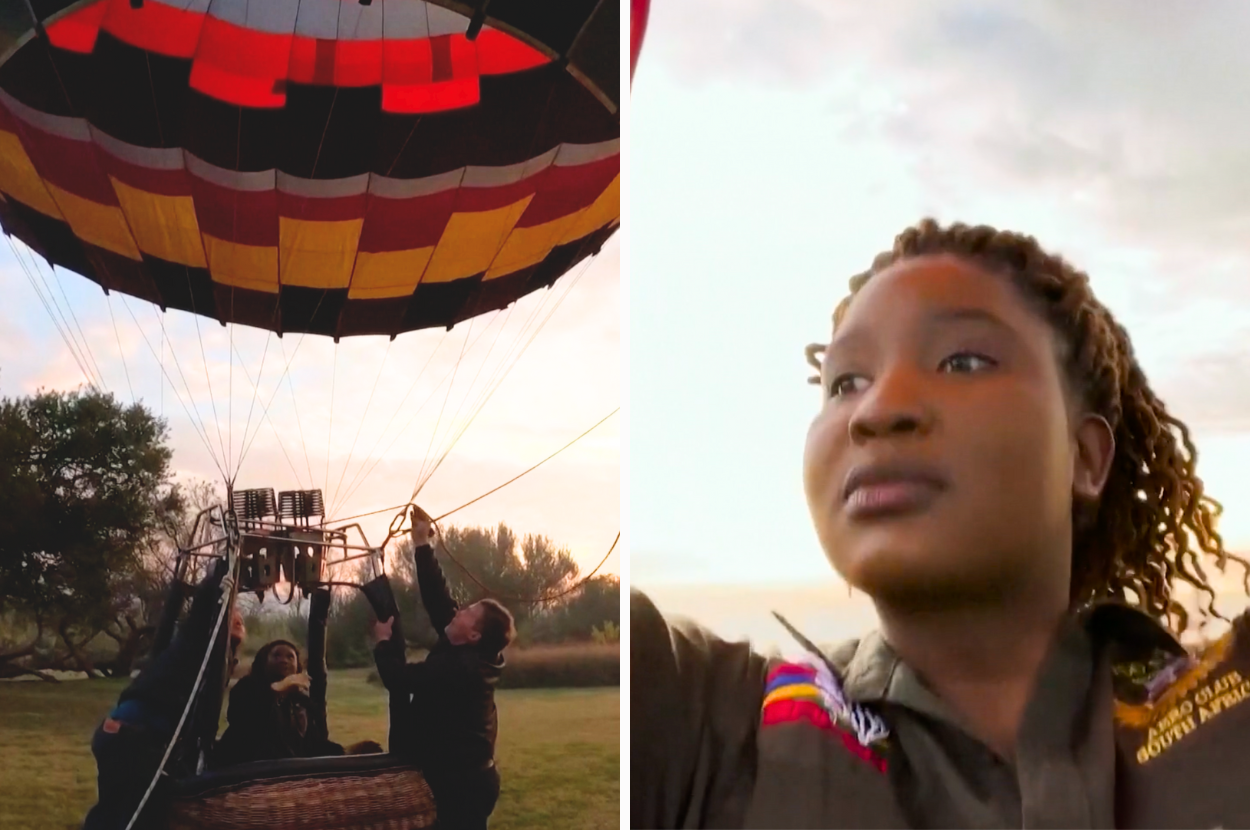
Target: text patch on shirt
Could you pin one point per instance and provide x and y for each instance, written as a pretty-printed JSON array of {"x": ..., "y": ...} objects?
[{"x": 1185, "y": 696}]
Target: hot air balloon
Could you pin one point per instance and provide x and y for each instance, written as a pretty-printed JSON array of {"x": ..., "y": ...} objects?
[
  {"x": 336, "y": 168},
  {"x": 328, "y": 166}
]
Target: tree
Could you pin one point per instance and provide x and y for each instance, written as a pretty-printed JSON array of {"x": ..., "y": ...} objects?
[
  {"x": 595, "y": 604},
  {"x": 138, "y": 594},
  {"x": 479, "y": 563},
  {"x": 83, "y": 480},
  {"x": 508, "y": 568}
]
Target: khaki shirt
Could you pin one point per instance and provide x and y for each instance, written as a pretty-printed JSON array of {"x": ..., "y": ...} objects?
[{"x": 1125, "y": 729}]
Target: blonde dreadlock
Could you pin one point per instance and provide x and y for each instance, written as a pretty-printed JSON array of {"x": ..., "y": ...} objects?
[{"x": 1153, "y": 522}]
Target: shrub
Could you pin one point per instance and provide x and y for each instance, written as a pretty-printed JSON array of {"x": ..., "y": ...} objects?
[
  {"x": 570, "y": 666},
  {"x": 607, "y": 633}
]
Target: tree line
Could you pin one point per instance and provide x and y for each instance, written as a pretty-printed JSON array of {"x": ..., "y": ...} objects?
[{"x": 92, "y": 521}]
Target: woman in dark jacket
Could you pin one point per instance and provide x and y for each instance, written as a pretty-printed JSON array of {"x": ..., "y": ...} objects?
[
  {"x": 991, "y": 467},
  {"x": 271, "y": 715}
]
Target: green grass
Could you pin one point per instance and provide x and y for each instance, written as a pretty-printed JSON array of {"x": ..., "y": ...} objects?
[{"x": 558, "y": 752}]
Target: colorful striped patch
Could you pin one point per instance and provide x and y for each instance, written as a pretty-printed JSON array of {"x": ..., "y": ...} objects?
[{"x": 808, "y": 692}]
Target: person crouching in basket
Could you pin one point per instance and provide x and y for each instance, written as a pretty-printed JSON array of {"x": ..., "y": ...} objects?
[
  {"x": 271, "y": 715},
  {"x": 450, "y": 722}
]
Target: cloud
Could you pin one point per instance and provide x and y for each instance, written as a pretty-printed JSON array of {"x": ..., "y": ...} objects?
[
  {"x": 1117, "y": 132},
  {"x": 1139, "y": 106},
  {"x": 776, "y": 41},
  {"x": 1212, "y": 390}
]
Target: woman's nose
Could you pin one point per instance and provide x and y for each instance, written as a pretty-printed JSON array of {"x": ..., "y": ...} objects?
[{"x": 895, "y": 404}]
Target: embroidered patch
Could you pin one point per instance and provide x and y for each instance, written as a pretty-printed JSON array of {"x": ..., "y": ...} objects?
[
  {"x": 1184, "y": 696},
  {"x": 111, "y": 726},
  {"x": 1168, "y": 684},
  {"x": 806, "y": 690}
]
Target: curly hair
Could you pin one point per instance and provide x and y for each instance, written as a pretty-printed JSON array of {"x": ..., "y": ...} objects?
[{"x": 1153, "y": 523}]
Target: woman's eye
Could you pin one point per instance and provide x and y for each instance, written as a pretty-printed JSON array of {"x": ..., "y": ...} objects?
[
  {"x": 846, "y": 385},
  {"x": 965, "y": 362}
]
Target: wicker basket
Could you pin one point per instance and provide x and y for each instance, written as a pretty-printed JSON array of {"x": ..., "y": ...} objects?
[{"x": 369, "y": 792}]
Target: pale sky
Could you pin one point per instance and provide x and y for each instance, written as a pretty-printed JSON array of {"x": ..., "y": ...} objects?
[
  {"x": 365, "y": 400},
  {"x": 778, "y": 145}
]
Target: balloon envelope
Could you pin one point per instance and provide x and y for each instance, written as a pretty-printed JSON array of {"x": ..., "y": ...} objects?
[{"x": 311, "y": 165}]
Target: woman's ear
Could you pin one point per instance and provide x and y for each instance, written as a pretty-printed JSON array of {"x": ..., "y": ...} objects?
[{"x": 1095, "y": 451}]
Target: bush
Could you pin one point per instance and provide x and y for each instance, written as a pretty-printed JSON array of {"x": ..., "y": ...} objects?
[
  {"x": 569, "y": 666},
  {"x": 607, "y": 633},
  {"x": 555, "y": 667}
]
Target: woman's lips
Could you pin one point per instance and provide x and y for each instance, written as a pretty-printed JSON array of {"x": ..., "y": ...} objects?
[
  {"x": 891, "y": 498},
  {"x": 894, "y": 488}
]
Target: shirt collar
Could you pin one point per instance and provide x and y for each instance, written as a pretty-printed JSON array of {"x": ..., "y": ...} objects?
[{"x": 875, "y": 673}]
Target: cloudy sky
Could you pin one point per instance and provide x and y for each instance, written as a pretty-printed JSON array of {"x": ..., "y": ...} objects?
[
  {"x": 367, "y": 419},
  {"x": 777, "y": 146}
]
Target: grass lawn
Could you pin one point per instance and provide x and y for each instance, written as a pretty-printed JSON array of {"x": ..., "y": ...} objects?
[{"x": 558, "y": 753}]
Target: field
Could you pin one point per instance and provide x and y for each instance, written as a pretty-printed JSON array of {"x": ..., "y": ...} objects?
[{"x": 558, "y": 753}]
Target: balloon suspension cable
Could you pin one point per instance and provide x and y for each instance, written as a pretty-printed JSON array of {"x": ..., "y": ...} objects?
[
  {"x": 492, "y": 491},
  {"x": 517, "y": 351}
]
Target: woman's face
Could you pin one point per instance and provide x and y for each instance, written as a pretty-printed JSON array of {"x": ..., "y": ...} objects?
[
  {"x": 282, "y": 662},
  {"x": 943, "y": 463}
]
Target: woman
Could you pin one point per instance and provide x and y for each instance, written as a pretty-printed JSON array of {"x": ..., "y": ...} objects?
[
  {"x": 991, "y": 467},
  {"x": 270, "y": 714}
]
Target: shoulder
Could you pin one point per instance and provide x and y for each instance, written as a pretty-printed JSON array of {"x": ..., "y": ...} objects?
[
  {"x": 695, "y": 701},
  {"x": 687, "y": 667}
]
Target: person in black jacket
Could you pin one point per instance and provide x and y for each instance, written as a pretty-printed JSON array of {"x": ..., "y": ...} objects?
[
  {"x": 130, "y": 742},
  {"x": 270, "y": 714},
  {"x": 448, "y": 700}
]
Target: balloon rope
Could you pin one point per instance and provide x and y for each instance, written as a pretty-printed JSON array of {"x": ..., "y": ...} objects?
[
  {"x": 265, "y": 416},
  {"x": 121, "y": 353},
  {"x": 494, "y": 490},
  {"x": 286, "y": 370},
  {"x": 73, "y": 350},
  {"x": 311, "y": 317},
  {"x": 485, "y": 359},
  {"x": 299, "y": 422},
  {"x": 499, "y": 377},
  {"x": 447, "y": 397},
  {"x": 506, "y": 318},
  {"x": 255, "y": 393},
  {"x": 192, "y": 418},
  {"x": 353, "y": 481},
  {"x": 230, "y": 407},
  {"x": 212, "y": 399},
  {"x": 92, "y": 373},
  {"x": 363, "y": 474},
  {"x": 334, "y": 378},
  {"x": 86, "y": 344},
  {"x": 533, "y": 468},
  {"x": 186, "y": 385},
  {"x": 368, "y": 403}
]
